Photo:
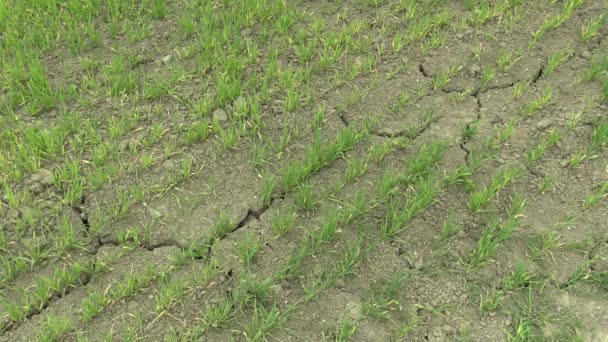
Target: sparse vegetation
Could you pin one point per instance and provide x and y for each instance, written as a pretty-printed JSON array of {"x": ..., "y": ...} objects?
[{"x": 210, "y": 170}]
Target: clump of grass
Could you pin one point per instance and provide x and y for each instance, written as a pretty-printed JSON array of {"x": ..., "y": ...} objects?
[
  {"x": 282, "y": 220},
  {"x": 590, "y": 29},
  {"x": 346, "y": 331},
  {"x": 382, "y": 299},
  {"x": 534, "y": 154},
  {"x": 500, "y": 180},
  {"x": 596, "y": 196},
  {"x": 540, "y": 102},
  {"x": 495, "y": 233},
  {"x": 248, "y": 248}
]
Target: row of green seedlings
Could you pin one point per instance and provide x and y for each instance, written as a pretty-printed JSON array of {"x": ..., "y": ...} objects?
[
  {"x": 72, "y": 178},
  {"x": 383, "y": 301},
  {"x": 355, "y": 251},
  {"x": 598, "y": 71},
  {"x": 228, "y": 137},
  {"x": 34, "y": 253},
  {"x": 310, "y": 244},
  {"x": 568, "y": 8},
  {"x": 423, "y": 187},
  {"x": 33, "y": 300},
  {"x": 419, "y": 176},
  {"x": 541, "y": 246},
  {"x": 172, "y": 291},
  {"x": 505, "y": 61},
  {"x": 169, "y": 292},
  {"x": 251, "y": 245}
]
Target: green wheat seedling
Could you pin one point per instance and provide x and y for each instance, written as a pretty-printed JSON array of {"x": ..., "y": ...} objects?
[
  {"x": 490, "y": 302},
  {"x": 507, "y": 59},
  {"x": 448, "y": 230},
  {"x": 322, "y": 153},
  {"x": 543, "y": 244},
  {"x": 534, "y": 154},
  {"x": 248, "y": 248},
  {"x": 356, "y": 167},
  {"x": 441, "y": 80},
  {"x": 382, "y": 299},
  {"x": 582, "y": 272},
  {"x": 171, "y": 292},
  {"x": 590, "y": 29},
  {"x": 496, "y": 233},
  {"x": 224, "y": 226},
  {"x": 269, "y": 183},
  {"x": 540, "y": 102},
  {"x": 282, "y": 220},
  {"x": 598, "y": 67},
  {"x": 260, "y": 291},
  {"x": 519, "y": 88},
  {"x": 346, "y": 330},
  {"x": 596, "y": 196},
  {"x": 356, "y": 207},
  {"x": 219, "y": 315},
  {"x": 422, "y": 165},
  {"x": 329, "y": 228},
  {"x": 568, "y": 8},
  {"x": 480, "y": 199},
  {"x": 599, "y": 139},
  {"x": 518, "y": 279},
  {"x": 305, "y": 197},
  {"x": 55, "y": 328},
  {"x": 93, "y": 304},
  {"x": 292, "y": 265},
  {"x": 399, "y": 213},
  {"x": 554, "y": 61},
  {"x": 489, "y": 74},
  {"x": 263, "y": 321}
]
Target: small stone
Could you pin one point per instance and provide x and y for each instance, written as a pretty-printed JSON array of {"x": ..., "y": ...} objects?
[
  {"x": 340, "y": 283},
  {"x": 36, "y": 188},
  {"x": 45, "y": 177},
  {"x": 585, "y": 54},
  {"x": 154, "y": 213},
  {"x": 448, "y": 329},
  {"x": 459, "y": 35},
  {"x": 220, "y": 115},
  {"x": 543, "y": 124},
  {"x": 355, "y": 310},
  {"x": 167, "y": 59},
  {"x": 246, "y": 32},
  {"x": 13, "y": 214},
  {"x": 474, "y": 70},
  {"x": 168, "y": 165}
]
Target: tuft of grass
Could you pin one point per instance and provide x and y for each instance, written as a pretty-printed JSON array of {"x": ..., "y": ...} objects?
[
  {"x": 55, "y": 329},
  {"x": 534, "y": 154},
  {"x": 500, "y": 180},
  {"x": 248, "y": 248},
  {"x": 346, "y": 330},
  {"x": 596, "y": 196},
  {"x": 262, "y": 322},
  {"x": 495, "y": 233},
  {"x": 382, "y": 299},
  {"x": 590, "y": 29},
  {"x": 490, "y": 301},
  {"x": 282, "y": 220}
]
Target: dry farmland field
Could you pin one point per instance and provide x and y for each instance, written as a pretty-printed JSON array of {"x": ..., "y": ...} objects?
[{"x": 265, "y": 170}]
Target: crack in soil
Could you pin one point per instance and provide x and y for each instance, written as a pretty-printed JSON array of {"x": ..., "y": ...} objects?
[
  {"x": 465, "y": 140},
  {"x": 84, "y": 218}
]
